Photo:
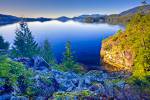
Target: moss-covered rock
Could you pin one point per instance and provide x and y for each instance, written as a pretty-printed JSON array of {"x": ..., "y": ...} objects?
[
  {"x": 127, "y": 49},
  {"x": 72, "y": 95}
]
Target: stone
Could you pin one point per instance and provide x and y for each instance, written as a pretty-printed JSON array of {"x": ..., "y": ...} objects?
[
  {"x": 37, "y": 63},
  {"x": 24, "y": 60},
  {"x": 120, "y": 84},
  {"x": 39, "y": 98},
  {"x": 5, "y": 97},
  {"x": 19, "y": 98}
]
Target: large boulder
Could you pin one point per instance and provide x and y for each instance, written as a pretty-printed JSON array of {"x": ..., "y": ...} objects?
[
  {"x": 45, "y": 84},
  {"x": 19, "y": 98},
  {"x": 70, "y": 81},
  {"x": 24, "y": 60},
  {"x": 37, "y": 63}
]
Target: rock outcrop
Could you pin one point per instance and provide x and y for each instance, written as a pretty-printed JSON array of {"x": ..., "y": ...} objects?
[
  {"x": 114, "y": 58},
  {"x": 92, "y": 85},
  {"x": 129, "y": 48},
  {"x": 37, "y": 63}
]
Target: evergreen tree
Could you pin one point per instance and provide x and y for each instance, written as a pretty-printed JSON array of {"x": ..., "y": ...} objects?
[
  {"x": 3, "y": 45},
  {"x": 25, "y": 45},
  {"x": 68, "y": 57},
  {"x": 46, "y": 53}
]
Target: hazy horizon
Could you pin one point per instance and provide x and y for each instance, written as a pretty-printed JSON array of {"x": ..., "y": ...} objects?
[{"x": 69, "y": 8}]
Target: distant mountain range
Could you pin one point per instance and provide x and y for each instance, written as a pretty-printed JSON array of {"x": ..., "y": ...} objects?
[
  {"x": 6, "y": 19},
  {"x": 9, "y": 19},
  {"x": 94, "y": 18},
  {"x": 63, "y": 18}
]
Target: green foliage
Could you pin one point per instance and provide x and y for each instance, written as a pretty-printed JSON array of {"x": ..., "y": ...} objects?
[
  {"x": 108, "y": 47},
  {"x": 142, "y": 44},
  {"x": 34, "y": 90},
  {"x": 115, "y": 37},
  {"x": 31, "y": 91},
  {"x": 77, "y": 68},
  {"x": 24, "y": 45},
  {"x": 68, "y": 63},
  {"x": 68, "y": 59},
  {"x": 85, "y": 93},
  {"x": 10, "y": 69},
  {"x": 3, "y": 44},
  {"x": 60, "y": 67},
  {"x": 13, "y": 70},
  {"x": 71, "y": 95},
  {"x": 47, "y": 54},
  {"x": 136, "y": 40},
  {"x": 45, "y": 78},
  {"x": 140, "y": 32}
]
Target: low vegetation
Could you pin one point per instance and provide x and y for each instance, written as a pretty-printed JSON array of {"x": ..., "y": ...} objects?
[
  {"x": 136, "y": 40},
  {"x": 13, "y": 74}
]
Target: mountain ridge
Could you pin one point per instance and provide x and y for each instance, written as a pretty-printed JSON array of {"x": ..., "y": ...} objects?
[{"x": 93, "y": 18}]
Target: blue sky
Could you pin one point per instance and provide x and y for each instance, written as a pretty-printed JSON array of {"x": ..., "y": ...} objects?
[{"x": 56, "y": 8}]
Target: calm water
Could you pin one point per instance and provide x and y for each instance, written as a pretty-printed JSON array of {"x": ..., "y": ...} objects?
[{"x": 85, "y": 38}]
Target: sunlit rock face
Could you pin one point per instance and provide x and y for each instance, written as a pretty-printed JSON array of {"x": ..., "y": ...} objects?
[
  {"x": 114, "y": 58},
  {"x": 126, "y": 48}
]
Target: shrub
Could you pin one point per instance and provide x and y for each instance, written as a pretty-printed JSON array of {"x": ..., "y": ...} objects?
[{"x": 15, "y": 73}]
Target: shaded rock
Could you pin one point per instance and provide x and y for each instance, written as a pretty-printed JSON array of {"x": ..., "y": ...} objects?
[
  {"x": 37, "y": 63},
  {"x": 45, "y": 85},
  {"x": 94, "y": 87},
  {"x": 19, "y": 98},
  {"x": 24, "y": 60},
  {"x": 97, "y": 88}
]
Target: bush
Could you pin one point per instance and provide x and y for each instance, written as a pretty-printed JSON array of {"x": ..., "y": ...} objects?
[
  {"x": 15, "y": 73},
  {"x": 71, "y": 95},
  {"x": 77, "y": 68}
]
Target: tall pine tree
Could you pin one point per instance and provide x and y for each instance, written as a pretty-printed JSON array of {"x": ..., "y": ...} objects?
[
  {"x": 24, "y": 44},
  {"x": 46, "y": 53},
  {"x": 68, "y": 59}
]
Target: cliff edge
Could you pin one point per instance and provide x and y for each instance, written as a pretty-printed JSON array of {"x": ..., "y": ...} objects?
[{"x": 129, "y": 49}]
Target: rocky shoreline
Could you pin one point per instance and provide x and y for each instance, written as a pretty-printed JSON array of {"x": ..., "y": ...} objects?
[{"x": 93, "y": 85}]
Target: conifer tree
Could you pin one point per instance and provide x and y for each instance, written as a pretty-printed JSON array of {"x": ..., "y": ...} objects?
[
  {"x": 3, "y": 45},
  {"x": 46, "y": 53},
  {"x": 68, "y": 57},
  {"x": 24, "y": 44}
]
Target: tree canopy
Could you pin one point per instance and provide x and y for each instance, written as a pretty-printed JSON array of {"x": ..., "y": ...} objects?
[{"x": 24, "y": 44}]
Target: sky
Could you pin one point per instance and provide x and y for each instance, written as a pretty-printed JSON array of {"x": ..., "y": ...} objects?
[{"x": 70, "y": 8}]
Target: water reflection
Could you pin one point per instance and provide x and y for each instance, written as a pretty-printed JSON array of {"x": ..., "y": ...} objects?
[{"x": 85, "y": 38}]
